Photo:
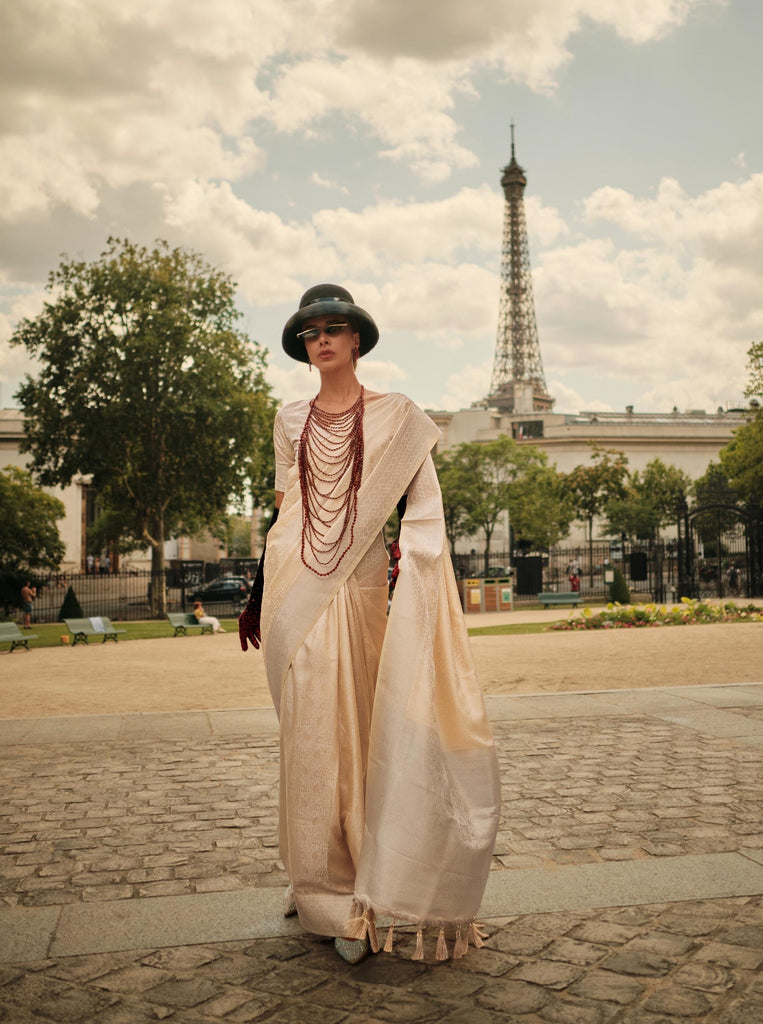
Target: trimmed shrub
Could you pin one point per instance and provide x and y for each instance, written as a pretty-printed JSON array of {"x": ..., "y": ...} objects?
[
  {"x": 70, "y": 608},
  {"x": 618, "y": 589}
]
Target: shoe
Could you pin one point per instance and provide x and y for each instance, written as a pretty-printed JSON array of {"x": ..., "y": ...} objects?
[
  {"x": 289, "y": 903},
  {"x": 352, "y": 950}
]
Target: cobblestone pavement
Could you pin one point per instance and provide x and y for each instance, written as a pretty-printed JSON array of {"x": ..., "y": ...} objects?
[
  {"x": 139, "y": 820},
  {"x": 109, "y": 821},
  {"x": 693, "y": 961}
]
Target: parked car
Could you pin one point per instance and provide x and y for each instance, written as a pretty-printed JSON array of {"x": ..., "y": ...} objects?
[
  {"x": 494, "y": 572},
  {"x": 225, "y": 588}
]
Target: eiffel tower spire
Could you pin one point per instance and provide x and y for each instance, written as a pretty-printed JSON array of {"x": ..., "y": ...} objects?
[{"x": 518, "y": 384}]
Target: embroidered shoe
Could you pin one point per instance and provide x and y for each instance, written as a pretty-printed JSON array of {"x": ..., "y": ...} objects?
[
  {"x": 352, "y": 950},
  {"x": 289, "y": 903}
]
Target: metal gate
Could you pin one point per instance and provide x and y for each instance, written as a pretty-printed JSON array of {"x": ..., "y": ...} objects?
[{"x": 719, "y": 551}]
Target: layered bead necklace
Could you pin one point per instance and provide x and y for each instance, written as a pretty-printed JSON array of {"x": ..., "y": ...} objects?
[{"x": 330, "y": 472}]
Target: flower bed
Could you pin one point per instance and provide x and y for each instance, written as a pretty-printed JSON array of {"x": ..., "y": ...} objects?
[{"x": 688, "y": 613}]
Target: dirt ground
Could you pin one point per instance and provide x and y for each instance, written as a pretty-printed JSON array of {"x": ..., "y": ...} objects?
[{"x": 212, "y": 673}]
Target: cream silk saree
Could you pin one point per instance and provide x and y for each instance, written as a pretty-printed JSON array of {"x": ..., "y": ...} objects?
[{"x": 389, "y": 793}]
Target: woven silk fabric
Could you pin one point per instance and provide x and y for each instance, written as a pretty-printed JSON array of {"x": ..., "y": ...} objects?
[{"x": 389, "y": 780}]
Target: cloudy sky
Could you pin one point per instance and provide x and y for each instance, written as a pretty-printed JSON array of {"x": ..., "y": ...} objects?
[{"x": 362, "y": 141}]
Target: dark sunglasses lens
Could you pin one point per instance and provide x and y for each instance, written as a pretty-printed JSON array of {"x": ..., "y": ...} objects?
[{"x": 334, "y": 329}]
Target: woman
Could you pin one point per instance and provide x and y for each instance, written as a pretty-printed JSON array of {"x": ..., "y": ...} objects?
[
  {"x": 389, "y": 794},
  {"x": 206, "y": 620}
]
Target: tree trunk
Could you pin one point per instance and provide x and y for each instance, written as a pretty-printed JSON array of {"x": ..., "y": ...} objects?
[
  {"x": 488, "y": 536},
  {"x": 157, "y": 588}
]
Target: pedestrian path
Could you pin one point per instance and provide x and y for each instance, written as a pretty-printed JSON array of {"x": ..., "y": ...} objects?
[{"x": 140, "y": 875}]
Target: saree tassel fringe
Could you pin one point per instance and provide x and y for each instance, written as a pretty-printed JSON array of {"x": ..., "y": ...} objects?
[
  {"x": 442, "y": 946},
  {"x": 477, "y": 936},
  {"x": 388, "y": 943},
  {"x": 373, "y": 936},
  {"x": 461, "y": 946},
  {"x": 357, "y": 926},
  {"x": 419, "y": 954}
]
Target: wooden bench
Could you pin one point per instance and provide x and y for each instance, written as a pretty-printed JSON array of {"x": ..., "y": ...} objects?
[
  {"x": 564, "y": 597},
  {"x": 183, "y": 621},
  {"x": 98, "y": 625},
  {"x": 10, "y": 631}
]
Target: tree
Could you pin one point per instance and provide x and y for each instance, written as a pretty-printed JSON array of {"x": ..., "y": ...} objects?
[
  {"x": 147, "y": 387},
  {"x": 541, "y": 512},
  {"x": 742, "y": 459},
  {"x": 754, "y": 388},
  {"x": 649, "y": 503},
  {"x": 239, "y": 537},
  {"x": 482, "y": 481},
  {"x": 591, "y": 488},
  {"x": 29, "y": 537},
  {"x": 456, "y": 485}
]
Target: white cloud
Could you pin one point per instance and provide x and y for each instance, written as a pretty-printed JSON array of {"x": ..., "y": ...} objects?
[
  {"x": 470, "y": 384},
  {"x": 327, "y": 183}
]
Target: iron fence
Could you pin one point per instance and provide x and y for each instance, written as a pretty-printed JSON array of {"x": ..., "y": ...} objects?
[
  {"x": 122, "y": 596},
  {"x": 650, "y": 569},
  {"x": 651, "y": 572}
]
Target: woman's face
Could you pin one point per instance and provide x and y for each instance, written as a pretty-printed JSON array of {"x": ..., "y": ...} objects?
[{"x": 333, "y": 350}]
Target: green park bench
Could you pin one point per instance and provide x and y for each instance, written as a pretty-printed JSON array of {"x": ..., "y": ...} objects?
[
  {"x": 98, "y": 625},
  {"x": 10, "y": 631},
  {"x": 183, "y": 621},
  {"x": 564, "y": 597}
]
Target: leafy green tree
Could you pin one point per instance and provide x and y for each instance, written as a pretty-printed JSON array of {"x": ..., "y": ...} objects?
[
  {"x": 649, "y": 503},
  {"x": 713, "y": 488},
  {"x": 238, "y": 540},
  {"x": 591, "y": 488},
  {"x": 29, "y": 539},
  {"x": 457, "y": 486},
  {"x": 742, "y": 459},
  {"x": 481, "y": 481},
  {"x": 540, "y": 510},
  {"x": 146, "y": 386},
  {"x": 754, "y": 388}
]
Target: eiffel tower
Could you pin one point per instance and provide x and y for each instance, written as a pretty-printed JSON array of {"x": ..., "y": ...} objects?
[{"x": 518, "y": 384}]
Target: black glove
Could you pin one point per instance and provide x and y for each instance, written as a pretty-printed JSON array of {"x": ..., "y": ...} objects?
[{"x": 249, "y": 619}]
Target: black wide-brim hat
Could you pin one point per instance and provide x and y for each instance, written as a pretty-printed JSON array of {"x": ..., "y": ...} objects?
[{"x": 332, "y": 300}]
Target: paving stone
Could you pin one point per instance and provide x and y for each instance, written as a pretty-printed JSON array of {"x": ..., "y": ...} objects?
[
  {"x": 579, "y": 1012},
  {"x": 604, "y": 932},
  {"x": 640, "y": 964},
  {"x": 678, "y": 1002},
  {"x": 512, "y": 997},
  {"x": 745, "y": 935},
  {"x": 731, "y": 956},
  {"x": 75, "y": 1005},
  {"x": 184, "y": 958},
  {"x": 135, "y": 978},
  {"x": 548, "y": 975},
  {"x": 612, "y": 988},
  {"x": 705, "y": 977},
  {"x": 294, "y": 1014},
  {"x": 576, "y": 952},
  {"x": 183, "y": 992},
  {"x": 662, "y": 944}
]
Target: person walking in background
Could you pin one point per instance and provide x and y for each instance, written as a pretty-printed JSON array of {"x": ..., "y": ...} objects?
[
  {"x": 28, "y": 594},
  {"x": 206, "y": 620},
  {"x": 389, "y": 794}
]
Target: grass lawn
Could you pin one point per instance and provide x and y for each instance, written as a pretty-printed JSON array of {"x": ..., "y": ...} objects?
[
  {"x": 49, "y": 633},
  {"x": 509, "y": 629}
]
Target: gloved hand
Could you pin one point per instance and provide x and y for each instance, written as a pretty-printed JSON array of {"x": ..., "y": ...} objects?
[{"x": 249, "y": 626}]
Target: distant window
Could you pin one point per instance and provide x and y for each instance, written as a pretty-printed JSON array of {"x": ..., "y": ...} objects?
[{"x": 527, "y": 430}]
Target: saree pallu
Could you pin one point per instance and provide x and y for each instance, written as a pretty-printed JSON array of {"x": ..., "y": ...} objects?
[{"x": 389, "y": 780}]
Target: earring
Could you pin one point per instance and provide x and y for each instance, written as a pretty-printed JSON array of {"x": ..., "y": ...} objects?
[{"x": 311, "y": 368}]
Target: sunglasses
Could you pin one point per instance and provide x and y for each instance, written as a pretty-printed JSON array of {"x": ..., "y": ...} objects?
[{"x": 313, "y": 333}]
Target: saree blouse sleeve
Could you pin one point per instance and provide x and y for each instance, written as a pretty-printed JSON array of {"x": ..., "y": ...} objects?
[{"x": 285, "y": 455}]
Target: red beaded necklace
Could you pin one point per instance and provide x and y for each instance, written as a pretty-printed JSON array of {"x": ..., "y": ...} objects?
[{"x": 330, "y": 471}]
